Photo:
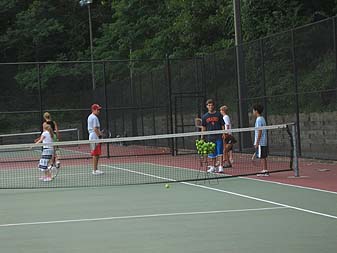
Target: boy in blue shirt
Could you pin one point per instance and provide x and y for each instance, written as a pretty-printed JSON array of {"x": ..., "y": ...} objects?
[{"x": 260, "y": 140}]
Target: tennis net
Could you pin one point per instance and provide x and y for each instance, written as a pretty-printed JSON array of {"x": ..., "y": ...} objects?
[
  {"x": 142, "y": 160},
  {"x": 20, "y": 138}
]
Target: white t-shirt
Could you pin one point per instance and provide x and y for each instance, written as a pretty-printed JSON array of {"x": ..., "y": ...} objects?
[
  {"x": 93, "y": 122},
  {"x": 47, "y": 139},
  {"x": 228, "y": 124}
]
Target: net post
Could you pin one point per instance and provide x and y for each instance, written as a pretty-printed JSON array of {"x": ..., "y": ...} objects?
[{"x": 295, "y": 150}]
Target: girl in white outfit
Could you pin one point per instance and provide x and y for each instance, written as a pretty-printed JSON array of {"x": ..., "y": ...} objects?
[{"x": 47, "y": 152}]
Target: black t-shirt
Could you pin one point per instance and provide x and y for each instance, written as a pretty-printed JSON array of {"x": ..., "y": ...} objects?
[
  {"x": 52, "y": 125},
  {"x": 212, "y": 121}
]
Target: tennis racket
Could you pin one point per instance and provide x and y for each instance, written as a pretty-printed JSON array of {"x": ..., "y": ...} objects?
[
  {"x": 256, "y": 162},
  {"x": 106, "y": 133},
  {"x": 54, "y": 171}
]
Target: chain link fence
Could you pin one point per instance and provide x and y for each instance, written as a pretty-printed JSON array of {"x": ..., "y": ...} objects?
[{"x": 293, "y": 74}]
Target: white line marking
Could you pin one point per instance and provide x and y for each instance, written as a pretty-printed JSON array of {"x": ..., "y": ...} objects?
[
  {"x": 140, "y": 216},
  {"x": 285, "y": 184},
  {"x": 256, "y": 179},
  {"x": 228, "y": 192}
]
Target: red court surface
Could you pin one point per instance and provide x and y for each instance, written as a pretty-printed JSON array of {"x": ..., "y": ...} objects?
[{"x": 319, "y": 175}]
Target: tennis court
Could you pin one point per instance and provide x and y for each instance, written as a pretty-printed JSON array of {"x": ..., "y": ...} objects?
[
  {"x": 130, "y": 209},
  {"x": 232, "y": 215}
]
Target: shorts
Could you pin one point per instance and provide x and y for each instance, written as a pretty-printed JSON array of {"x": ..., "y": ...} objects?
[
  {"x": 230, "y": 139},
  {"x": 261, "y": 152},
  {"x": 96, "y": 149},
  {"x": 218, "y": 149},
  {"x": 47, "y": 154}
]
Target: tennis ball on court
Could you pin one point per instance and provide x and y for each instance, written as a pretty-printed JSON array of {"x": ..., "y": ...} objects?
[{"x": 167, "y": 186}]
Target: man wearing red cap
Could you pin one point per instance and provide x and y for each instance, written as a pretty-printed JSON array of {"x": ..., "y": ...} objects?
[{"x": 94, "y": 134}]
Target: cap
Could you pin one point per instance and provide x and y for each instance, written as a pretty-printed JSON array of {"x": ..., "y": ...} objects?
[{"x": 95, "y": 107}]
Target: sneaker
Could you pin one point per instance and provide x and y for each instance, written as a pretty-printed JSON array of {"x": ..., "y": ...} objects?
[
  {"x": 220, "y": 169},
  {"x": 211, "y": 169},
  {"x": 58, "y": 164},
  {"x": 263, "y": 173},
  {"x": 42, "y": 178},
  {"x": 47, "y": 179},
  {"x": 97, "y": 172}
]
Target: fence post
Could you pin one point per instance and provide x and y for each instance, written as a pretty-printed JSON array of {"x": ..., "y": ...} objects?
[
  {"x": 265, "y": 103},
  {"x": 40, "y": 93},
  {"x": 334, "y": 46},
  {"x": 296, "y": 91},
  {"x": 106, "y": 107},
  {"x": 169, "y": 91},
  {"x": 295, "y": 150}
]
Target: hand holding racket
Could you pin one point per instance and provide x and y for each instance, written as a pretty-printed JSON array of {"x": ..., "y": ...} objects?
[
  {"x": 54, "y": 171},
  {"x": 105, "y": 134},
  {"x": 255, "y": 160}
]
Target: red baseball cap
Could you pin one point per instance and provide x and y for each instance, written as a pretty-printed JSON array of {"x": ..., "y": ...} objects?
[{"x": 96, "y": 107}]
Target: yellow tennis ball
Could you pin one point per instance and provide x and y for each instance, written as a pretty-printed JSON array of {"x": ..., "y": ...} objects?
[{"x": 167, "y": 186}]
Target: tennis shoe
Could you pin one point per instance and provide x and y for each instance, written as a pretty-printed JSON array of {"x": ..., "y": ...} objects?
[
  {"x": 97, "y": 172},
  {"x": 263, "y": 173},
  {"x": 220, "y": 169},
  {"x": 211, "y": 169},
  {"x": 47, "y": 179}
]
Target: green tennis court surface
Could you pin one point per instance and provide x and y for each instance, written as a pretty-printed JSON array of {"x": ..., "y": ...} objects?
[{"x": 233, "y": 215}]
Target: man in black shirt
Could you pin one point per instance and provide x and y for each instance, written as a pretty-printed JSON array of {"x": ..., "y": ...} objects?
[{"x": 210, "y": 121}]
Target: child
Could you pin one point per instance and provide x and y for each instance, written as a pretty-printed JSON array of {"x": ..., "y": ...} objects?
[
  {"x": 47, "y": 152},
  {"x": 56, "y": 136},
  {"x": 229, "y": 139},
  {"x": 260, "y": 141}
]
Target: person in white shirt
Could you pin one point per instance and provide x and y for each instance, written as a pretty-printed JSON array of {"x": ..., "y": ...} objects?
[
  {"x": 95, "y": 134},
  {"x": 229, "y": 139},
  {"x": 45, "y": 162}
]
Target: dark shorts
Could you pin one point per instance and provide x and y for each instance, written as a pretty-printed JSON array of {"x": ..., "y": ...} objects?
[
  {"x": 261, "y": 152},
  {"x": 230, "y": 139}
]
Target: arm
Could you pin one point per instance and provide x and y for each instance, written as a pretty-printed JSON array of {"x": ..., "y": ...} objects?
[
  {"x": 57, "y": 130},
  {"x": 98, "y": 132},
  {"x": 39, "y": 140},
  {"x": 258, "y": 138},
  {"x": 203, "y": 129}
]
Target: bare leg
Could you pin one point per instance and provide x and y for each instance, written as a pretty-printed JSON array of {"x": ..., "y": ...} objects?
[
  {"x": 227, "y": 150},
  {"x": 95, "y": 162},
  {"x": 265, "y": 164}
]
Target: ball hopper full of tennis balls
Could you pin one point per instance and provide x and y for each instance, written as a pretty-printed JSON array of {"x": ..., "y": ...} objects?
[{"x": 204, "y": 148}]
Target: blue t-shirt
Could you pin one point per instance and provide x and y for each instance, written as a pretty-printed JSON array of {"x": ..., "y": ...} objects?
[
  {"x": 212, "y": 121},
  {"x": 260, "y": 121}
]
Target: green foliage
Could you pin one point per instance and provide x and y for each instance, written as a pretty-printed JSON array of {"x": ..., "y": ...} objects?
[{"x": 47, "y": 30}]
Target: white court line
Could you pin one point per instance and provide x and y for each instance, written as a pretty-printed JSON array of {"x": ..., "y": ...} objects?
[
  {"x": 140, "y": 216},
  {"x": 255, "y": 179},
  {"x": 228, "y": 192},
  {"x": 285, "y": 184}
]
